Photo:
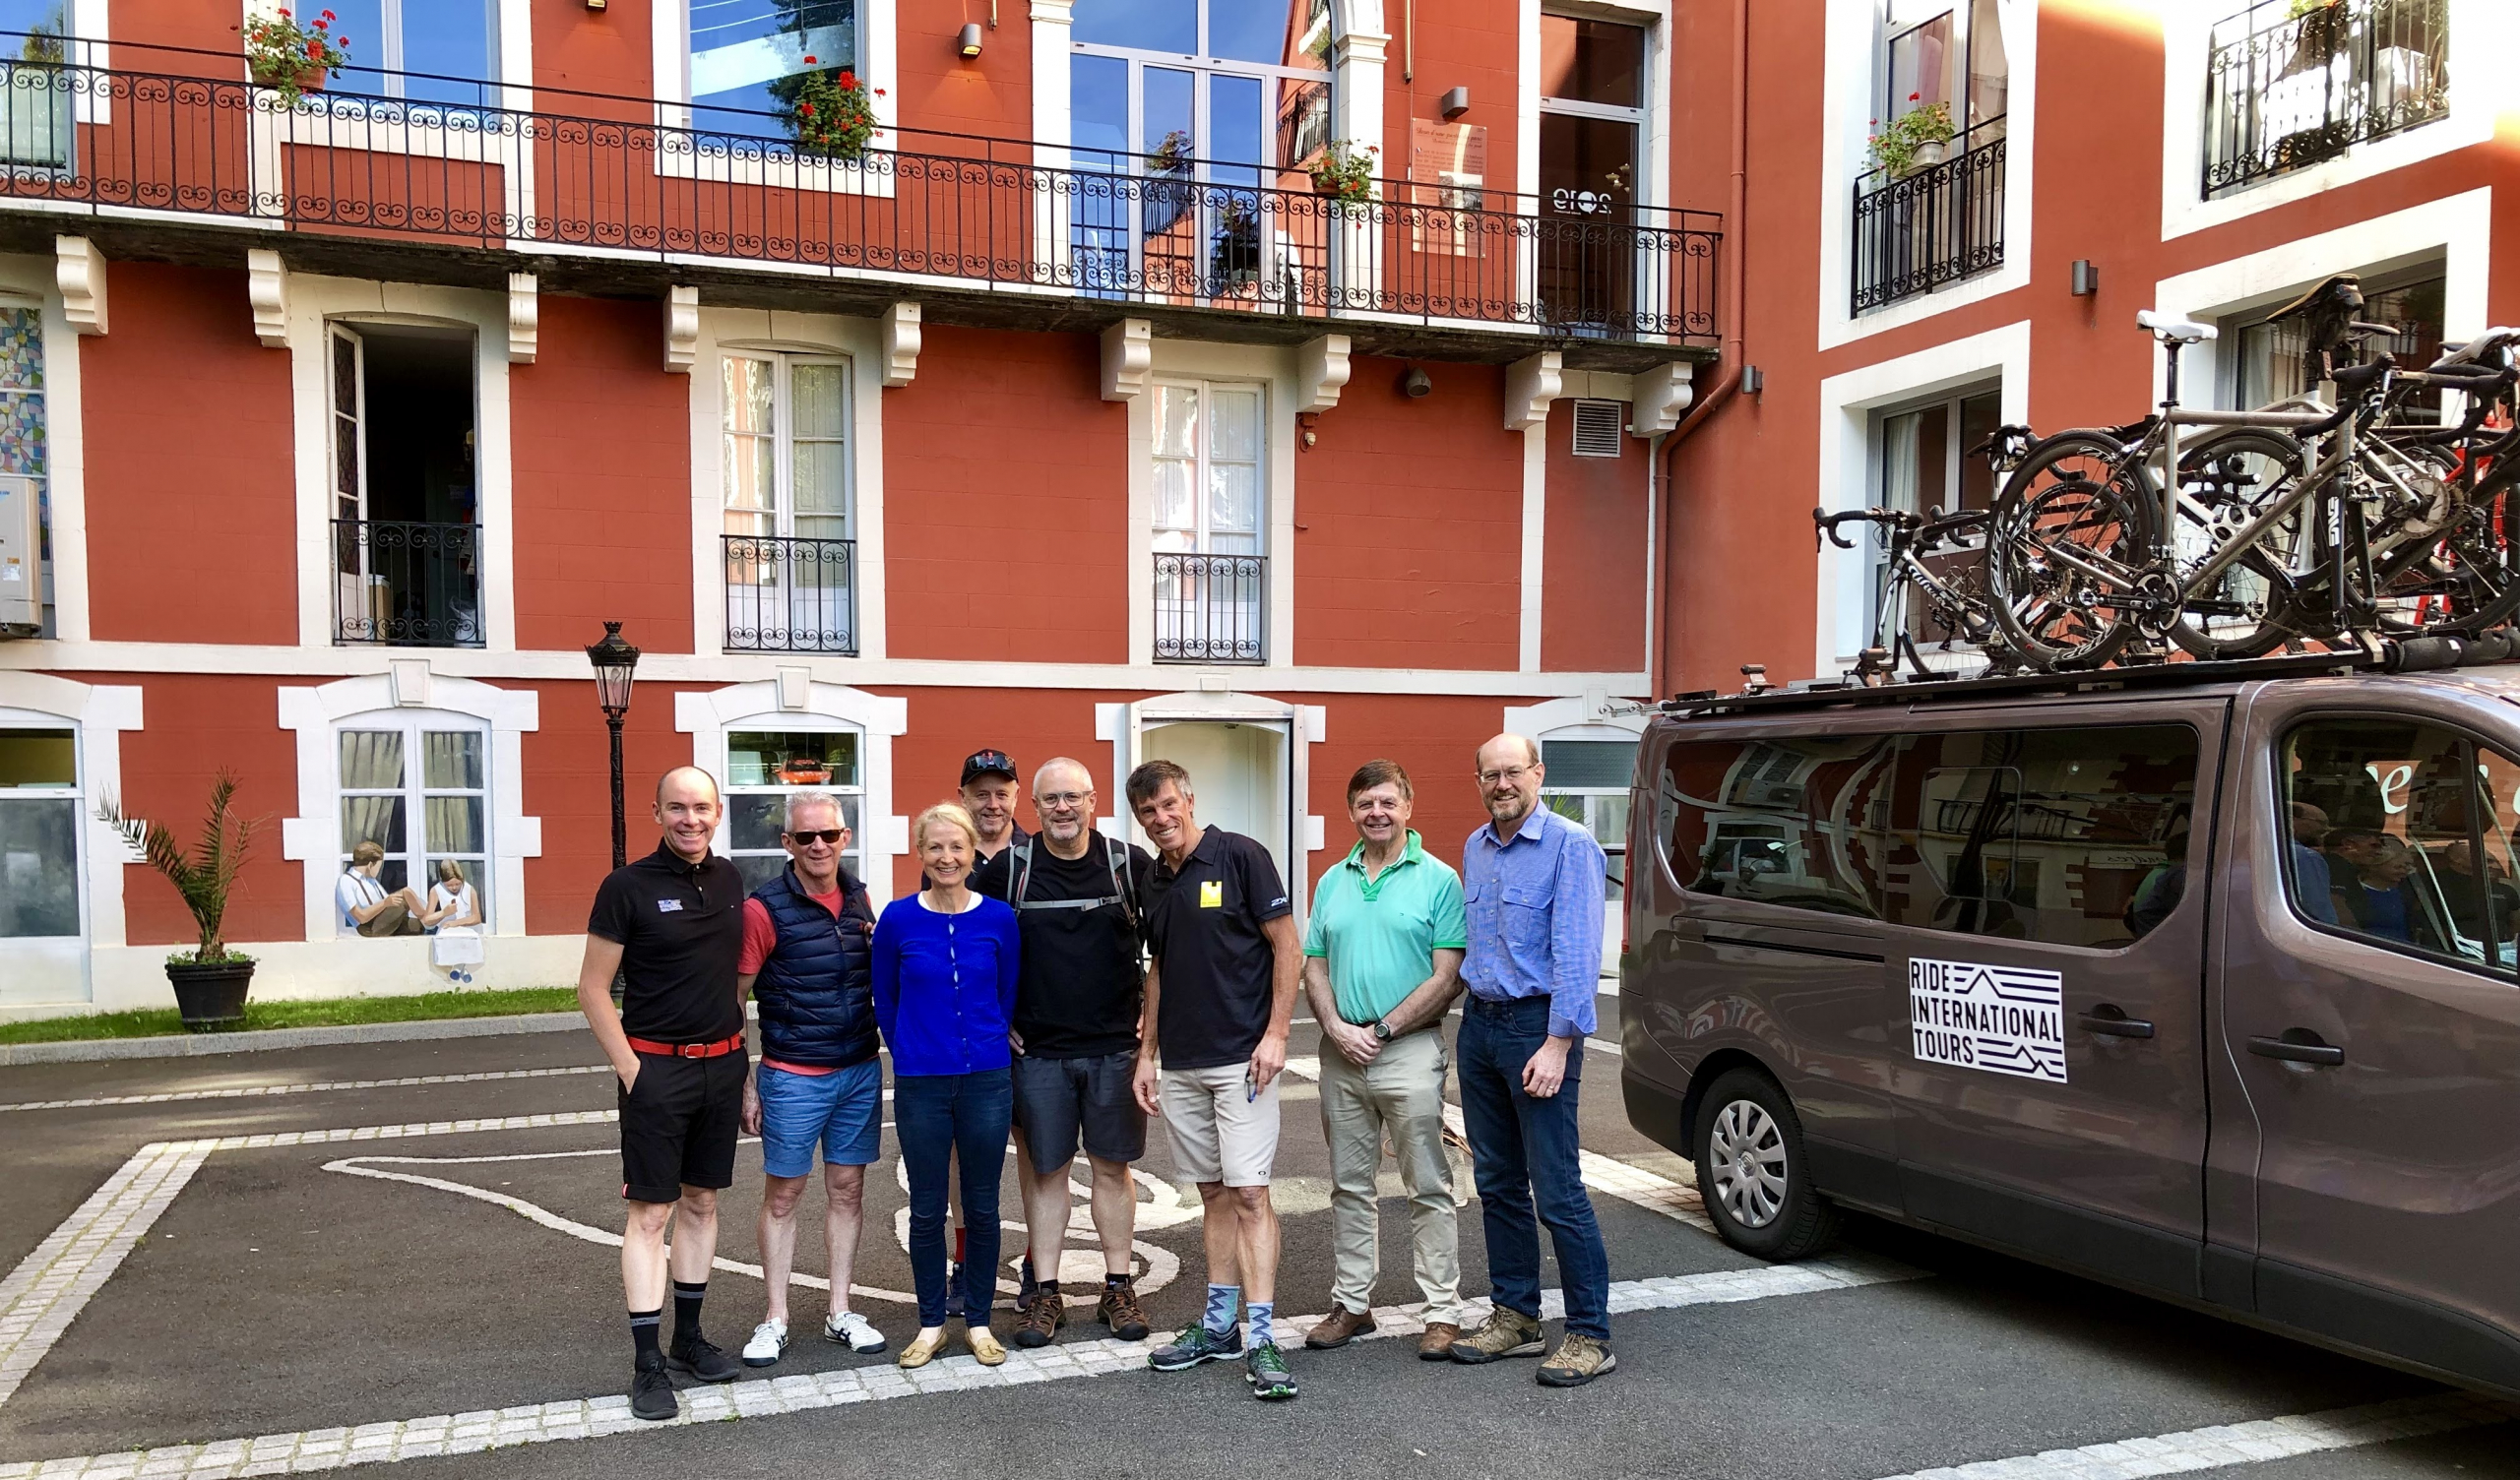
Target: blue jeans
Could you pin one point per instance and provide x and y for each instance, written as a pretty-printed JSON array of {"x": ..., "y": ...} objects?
[
  {"x": 935, "y": 1115},
  {"x": 1521, "y": 1146}
]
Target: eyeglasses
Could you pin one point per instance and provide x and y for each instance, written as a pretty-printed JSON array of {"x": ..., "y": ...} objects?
[
  {"x": 1062, "y": 799},
  {"x": 1509, "y": 774},
  {"x": 831, "y": 836}
]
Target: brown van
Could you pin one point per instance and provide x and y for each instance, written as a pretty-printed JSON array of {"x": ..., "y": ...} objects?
[{"x": 2197, "y": 979}]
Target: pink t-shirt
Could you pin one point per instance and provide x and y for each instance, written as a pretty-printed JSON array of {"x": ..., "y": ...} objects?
[{"x": 761, "y": 937}]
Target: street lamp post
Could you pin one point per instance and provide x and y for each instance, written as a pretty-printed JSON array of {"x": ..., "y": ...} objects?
[{"x": 614, "y": 662}]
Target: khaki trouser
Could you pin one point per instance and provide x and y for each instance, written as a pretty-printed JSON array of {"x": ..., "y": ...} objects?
[{"x": 1403, "y": 1092}]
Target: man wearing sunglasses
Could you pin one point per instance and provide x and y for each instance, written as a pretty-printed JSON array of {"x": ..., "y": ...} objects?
[{"x": 806, "y": 956}]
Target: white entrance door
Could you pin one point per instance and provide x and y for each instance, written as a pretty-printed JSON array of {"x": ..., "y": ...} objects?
[
  {"x": 1246, "y": 758},
  {"x": 43, "y": 949}
]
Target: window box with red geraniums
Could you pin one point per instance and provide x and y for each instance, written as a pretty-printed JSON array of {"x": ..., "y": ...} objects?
[
  {"x": 1344, "y": 172},
  {"x": 829, "y": 114},
  {"x": 1913, "y": 141},
  {"x": 293, "y": 58}
]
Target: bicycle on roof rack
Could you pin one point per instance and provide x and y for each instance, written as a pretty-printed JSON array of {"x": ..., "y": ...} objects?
[
  {"x": 1954, "y": 600},
  {"x": 2297, "y": 521}
]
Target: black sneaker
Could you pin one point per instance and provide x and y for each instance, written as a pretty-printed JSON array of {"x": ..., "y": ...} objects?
[
  {"x": 652, "y": 1391},
  {"x": 701, "y": 1358},
  {"x": 1196, "y": 1344},
  {"x": 955, "y": 1309},
  {"x": 1266, "y": 1367}
]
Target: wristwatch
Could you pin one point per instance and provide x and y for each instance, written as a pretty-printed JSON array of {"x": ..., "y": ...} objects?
[{"x": 1383, "y": 1030}]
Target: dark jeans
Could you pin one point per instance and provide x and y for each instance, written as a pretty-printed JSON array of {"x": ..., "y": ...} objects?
[
  {"x": 1520, "y": 1146},
  {"x": 935, "y": 1116}
]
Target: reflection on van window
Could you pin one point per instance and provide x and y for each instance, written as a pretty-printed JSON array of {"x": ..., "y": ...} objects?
[
  {"x": 2402, "y": 836},
  {"x": 2069, "y": 837}
]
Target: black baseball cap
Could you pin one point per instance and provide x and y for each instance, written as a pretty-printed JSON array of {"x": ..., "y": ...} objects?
[{"x": 987, "y": 762}]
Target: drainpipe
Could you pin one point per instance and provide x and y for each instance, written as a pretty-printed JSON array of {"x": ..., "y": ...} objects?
[{"x": 1731, "y": 300}]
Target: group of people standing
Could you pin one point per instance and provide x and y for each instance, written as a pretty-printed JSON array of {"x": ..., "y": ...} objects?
[{"x": 1058, "y": 988}]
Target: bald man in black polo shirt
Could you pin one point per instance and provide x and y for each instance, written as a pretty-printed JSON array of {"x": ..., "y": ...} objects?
[{"x": 671, "y": 924}]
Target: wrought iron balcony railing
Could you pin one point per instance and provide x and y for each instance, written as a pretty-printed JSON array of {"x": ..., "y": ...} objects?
[
  {"x": 791, "y": 596},
  {"x": 2288, "y": 88},
  {"x": 1211, "y": 608},
  {"x": 621, "y": 178},
  {"x": 1933, "y": 227},
  {"x": 406, "y": 584}
]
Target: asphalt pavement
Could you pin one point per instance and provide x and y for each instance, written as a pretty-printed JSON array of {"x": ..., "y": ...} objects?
[{"x": 403, "y": 1253}]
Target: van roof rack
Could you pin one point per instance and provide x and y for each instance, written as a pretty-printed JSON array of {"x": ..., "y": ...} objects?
[{"x": 2411, "y": 655}]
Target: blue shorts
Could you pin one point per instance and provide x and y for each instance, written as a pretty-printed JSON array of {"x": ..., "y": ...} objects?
[{"x": 843, "y": 1109}]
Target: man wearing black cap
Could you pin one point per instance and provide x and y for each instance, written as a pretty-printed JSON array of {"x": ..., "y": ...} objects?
[{"x": 989, "y": 790}]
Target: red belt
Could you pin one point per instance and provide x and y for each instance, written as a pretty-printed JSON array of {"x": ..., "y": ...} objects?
[{"x": 689, "y": 1050}]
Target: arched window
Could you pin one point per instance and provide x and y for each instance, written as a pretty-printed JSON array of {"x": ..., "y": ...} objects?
[{"x": 417, "y": 787}]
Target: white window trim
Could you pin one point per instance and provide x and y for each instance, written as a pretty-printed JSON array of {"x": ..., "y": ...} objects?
[
  {"x": 1849, "y": 85},
  {"x": 101, "y": 712},
  {"x": 758, "y": 330},
  {"x": 1848, "y": 476},
  {"x": 1273, "y": 369},
  {"x": 314, "y": 303},
  {"x": 411, "y": 726},
  {"x": 707, "y": 716},
  {"x": 2483, "y": 34},
  {"x": 878, "y": 67},
  {"x": 313, "y": 837},
  {"x": 27, "y": 282}
]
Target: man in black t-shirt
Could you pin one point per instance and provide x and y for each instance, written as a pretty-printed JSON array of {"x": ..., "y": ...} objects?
[
  {"x": 1220, "y": 1002},
  {"x": 671, "y": 925},
  {"x": 1079, "y": 901}
]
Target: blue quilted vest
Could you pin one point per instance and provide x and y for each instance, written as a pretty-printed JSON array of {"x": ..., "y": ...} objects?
[{"x": 816, "y": 993}]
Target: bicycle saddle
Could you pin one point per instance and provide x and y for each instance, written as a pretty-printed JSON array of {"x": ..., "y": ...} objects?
[
  {"x": 2180, "y": 330},
  {"x": 2342, "y": 291}
]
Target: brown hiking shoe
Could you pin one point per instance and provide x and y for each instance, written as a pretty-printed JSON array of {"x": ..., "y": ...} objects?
[
  {"x": 1120, "y": 1310},
  {"x": 1341, "y": 1326},
  {"x": 1577, "y": 1360},
  {"x": 1042, "y": 1318},
  {"x": 1505, "y": 1333},
  {"x": 1438, "y": 1343}
]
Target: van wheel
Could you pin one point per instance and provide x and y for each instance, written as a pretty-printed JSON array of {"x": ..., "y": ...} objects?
[{"x": 1752, "y": 1174}]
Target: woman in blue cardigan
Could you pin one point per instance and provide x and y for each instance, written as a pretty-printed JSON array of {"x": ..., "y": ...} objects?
[{"x": 944, "y": 970}]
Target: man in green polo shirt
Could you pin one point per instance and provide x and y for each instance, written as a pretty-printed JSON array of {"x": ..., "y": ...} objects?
[{"x": 1382, "y": 964}]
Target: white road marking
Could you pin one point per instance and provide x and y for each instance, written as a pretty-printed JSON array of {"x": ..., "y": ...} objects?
[
  {"x": 2251, "y": 1443},
  {"x": 602, "y": 1417},
  {"x": 260, "y": 1091},
  {"x": 50, "y": 1286}
]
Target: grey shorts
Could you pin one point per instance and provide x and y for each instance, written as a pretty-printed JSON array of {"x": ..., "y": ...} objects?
[{"x": 1059, "y": 1102}]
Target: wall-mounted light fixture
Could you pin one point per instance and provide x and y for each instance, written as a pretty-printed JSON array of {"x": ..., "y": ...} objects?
[
  {"x": 967, "y": 40},
  {"x": 595, "y": 4},
  {"x": 2085, "y": 278},
  {"x": 1417, "y": 384},
  {"x": 1456, "y": 102},
  {"x": 1753, "y": 380}
]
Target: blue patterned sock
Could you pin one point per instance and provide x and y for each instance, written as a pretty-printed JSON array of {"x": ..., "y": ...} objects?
[
  {"x": 1263, "y": 1315},
  {"x": 1222, "y": 1300}
]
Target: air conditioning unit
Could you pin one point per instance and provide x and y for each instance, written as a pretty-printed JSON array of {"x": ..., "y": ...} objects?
[{"x": 21, "y": 558}]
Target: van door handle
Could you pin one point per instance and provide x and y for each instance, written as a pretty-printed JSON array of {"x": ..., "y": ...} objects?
[
  {"x": 2298, "y": 1045},
  {"x": 2111, "y": 1022}
]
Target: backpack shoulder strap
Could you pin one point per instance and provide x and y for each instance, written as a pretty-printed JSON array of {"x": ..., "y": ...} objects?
[
  {"x": 1020, "y": 873},
  {"x": 1124, "y": 877}
]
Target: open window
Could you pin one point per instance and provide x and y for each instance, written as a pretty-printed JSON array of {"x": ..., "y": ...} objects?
[{"x": 405, "y": 502}]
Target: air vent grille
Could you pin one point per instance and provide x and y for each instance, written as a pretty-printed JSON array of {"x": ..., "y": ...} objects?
[{"x": 1598, "y": 427}]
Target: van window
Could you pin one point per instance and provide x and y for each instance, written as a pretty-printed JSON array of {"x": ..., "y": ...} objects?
[
  {"x": 1791, "y": 821},
  {"x": 2401, "y": 835},
  {"x": 2062, "y": 836}
]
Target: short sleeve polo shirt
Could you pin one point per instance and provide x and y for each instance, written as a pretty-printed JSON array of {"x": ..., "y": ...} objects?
[
  {"x": 681, "y": 930},
  {"x": 1211, "y": 956},
  {"x": 1379, "y": 936}
]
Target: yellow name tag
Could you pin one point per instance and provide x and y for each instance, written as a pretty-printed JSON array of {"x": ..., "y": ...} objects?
[{"x": 1211, "y": 894}]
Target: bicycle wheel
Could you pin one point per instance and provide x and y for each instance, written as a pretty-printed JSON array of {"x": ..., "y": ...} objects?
[
  {"x": 2071, "y": 543},
  {"x": 2466, "y": 578},
  {"x": 2228, "y": 479}
]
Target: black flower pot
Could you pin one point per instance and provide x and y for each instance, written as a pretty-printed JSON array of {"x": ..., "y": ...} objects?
[{"x": 210, "y": 995}]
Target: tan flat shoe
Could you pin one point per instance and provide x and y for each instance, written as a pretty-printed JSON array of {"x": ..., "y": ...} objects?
[
  {"x": 985, "y": 1345},
  {"x": 922, "y": 1348}
]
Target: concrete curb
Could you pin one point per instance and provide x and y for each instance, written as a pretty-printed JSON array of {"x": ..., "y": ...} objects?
[{"x": 191, "y": 1045}]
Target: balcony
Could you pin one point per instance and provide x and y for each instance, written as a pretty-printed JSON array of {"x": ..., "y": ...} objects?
[
  {"x": 1933, "y": 226},
  {"x": 791, "y": 596},
  {"x": 610, "y": 194},
  {"x": 1211, "y": 608},
  {"x": 405, "y": 584},
  {"x": 2284, "y": 92}
]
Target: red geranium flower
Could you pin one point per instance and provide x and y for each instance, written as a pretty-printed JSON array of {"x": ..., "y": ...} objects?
[
  {"x": 809, "y": 61},
  {"x": 806, "y": 109}
]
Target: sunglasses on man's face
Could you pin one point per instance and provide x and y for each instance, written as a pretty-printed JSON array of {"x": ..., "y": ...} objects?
[{"x": 831, "y": 836}]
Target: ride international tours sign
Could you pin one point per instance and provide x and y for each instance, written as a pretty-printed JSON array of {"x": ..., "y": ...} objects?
[{"x": 2003, "y": 1020}]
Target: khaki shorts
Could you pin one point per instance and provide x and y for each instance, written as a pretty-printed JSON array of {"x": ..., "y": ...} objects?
[{"x": 1219, "y": 1133}]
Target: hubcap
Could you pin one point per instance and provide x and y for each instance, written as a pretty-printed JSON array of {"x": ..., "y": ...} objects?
[{"x": 1746, "y": 1153}]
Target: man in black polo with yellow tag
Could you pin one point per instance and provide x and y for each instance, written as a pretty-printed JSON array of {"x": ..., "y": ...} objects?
[{"x": 671, "y": 924}]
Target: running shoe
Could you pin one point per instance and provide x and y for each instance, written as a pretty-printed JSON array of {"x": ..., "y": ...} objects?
[
  {"x": 769, "y": 1340},
  {"x": 702, "y": 1358},
  {"x": 1196, "y": 1344},
  {"x": 853, "y": 1331},
  {"x": 652, "y": 1391},
  {"x": 1266, "y": 1367}
]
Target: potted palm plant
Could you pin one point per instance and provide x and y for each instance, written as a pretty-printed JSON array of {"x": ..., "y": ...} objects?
[{"x": 210, "y": 981}]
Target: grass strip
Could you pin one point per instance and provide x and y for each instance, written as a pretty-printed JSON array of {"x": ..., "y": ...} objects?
[{"x": 334, "y": 1011}]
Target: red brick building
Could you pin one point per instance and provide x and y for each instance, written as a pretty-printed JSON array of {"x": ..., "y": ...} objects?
[{"x": 1069, "y": 413}]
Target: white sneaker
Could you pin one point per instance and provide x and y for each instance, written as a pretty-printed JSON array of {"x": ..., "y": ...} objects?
[
  {"x": 769, "y": 1340},
  {"x": 853, "y": 1331}
]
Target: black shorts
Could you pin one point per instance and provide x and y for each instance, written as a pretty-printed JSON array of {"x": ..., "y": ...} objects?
[
  {"x": 678, "y": 1124},
  {"x": 1060, "y": 1101}
]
